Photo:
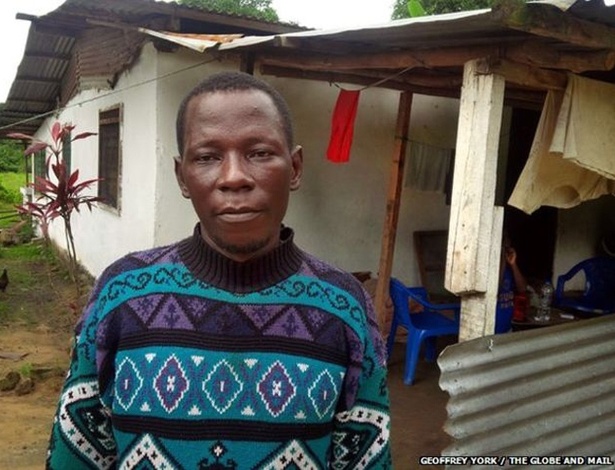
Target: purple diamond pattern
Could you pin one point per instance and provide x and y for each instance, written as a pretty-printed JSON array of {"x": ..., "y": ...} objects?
[
  {"x": 323, "y": 394},
  {"x": 222, "y": 386},
  {"x": 171, "y": 384},
  {"x": 128, "y": 383},
  {"x": 276, "y": 389}
]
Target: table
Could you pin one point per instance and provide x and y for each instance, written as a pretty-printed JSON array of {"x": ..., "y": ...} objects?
[{"x": 558, "y": 317}]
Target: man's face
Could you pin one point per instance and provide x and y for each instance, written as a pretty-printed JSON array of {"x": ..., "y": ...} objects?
[{"x": 237, "y": 170}]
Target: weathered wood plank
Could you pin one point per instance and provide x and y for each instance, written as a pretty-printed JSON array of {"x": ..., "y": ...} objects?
[
  {"x": 442, "y": 57},
  {"x": 471, "y": 219},
  {"x": 525, "y": 75},
  {"x": 478, "y": 310},
  {"x": 551, "y": 22},
  {"x": 541, "y": 54},
  {"x": 392, "y": 208}
]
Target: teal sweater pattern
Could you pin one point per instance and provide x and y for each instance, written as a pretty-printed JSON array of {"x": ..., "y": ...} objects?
[{"x": 185, "y": 359}]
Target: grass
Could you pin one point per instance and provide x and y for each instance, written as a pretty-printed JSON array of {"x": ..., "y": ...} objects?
[
  {"x": 28, "y": 251},
  {"x": 9, "y": 196},
  {"x": 39, "y": 290},
  {"x": 13, "y": 181}
]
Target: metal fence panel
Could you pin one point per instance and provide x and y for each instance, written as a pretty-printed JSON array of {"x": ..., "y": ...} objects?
[{"x": 544, "y": 392}]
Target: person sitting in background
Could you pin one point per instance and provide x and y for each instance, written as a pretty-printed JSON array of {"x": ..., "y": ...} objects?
[{"x": 512, "y": 283}]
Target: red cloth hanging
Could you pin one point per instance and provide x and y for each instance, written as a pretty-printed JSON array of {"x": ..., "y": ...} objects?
[{"x": 342, "y": 126}]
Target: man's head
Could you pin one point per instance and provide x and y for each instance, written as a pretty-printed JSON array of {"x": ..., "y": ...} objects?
[
  {"x": 237, "y": 164},
  {"x": 228, "y": 82}
]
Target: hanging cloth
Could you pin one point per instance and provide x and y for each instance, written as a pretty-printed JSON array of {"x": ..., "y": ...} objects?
[
  {"x": 342, "y": 126},
  {"x": 570, "y": 160},
  {"x": 427, "y": 167}
]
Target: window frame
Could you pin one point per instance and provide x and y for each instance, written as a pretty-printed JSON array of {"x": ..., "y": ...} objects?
[{"x": 112, "y": 115}]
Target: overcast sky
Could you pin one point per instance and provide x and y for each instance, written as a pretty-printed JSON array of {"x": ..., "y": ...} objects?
[{"x": 311, "y": 13}]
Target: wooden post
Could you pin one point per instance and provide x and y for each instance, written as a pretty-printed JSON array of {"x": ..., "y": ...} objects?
[
  {"x": 475, "y": 230},
  {"x": 392, "y": 208}
]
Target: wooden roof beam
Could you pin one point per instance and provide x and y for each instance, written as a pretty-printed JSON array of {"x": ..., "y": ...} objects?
[
  {"x": 539, "y": 54},
  {"x": 550, "y": 22},
  {"x": 449, "y": 57},
  {"x": 523, "y": 75},
  {"x": 532, "y": 53},
  {"x": 518, "y": 97},
  {"x": 357, "y": 79}
]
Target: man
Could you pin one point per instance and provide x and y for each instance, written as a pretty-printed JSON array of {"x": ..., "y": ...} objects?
[{"x": 232, "y": 348}]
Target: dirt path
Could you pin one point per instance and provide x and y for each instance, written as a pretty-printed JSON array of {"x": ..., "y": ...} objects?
[
  {"x": 25, "y": 420},
  {"x": 37, "y": 314}
]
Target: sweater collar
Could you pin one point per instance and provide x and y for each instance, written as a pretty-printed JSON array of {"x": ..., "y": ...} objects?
[{"x": 211, "y": 267}]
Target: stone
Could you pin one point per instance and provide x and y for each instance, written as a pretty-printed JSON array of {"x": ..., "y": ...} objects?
[
  {"x": 24, "y": 387},
  {"x": 9, "y": 381}
]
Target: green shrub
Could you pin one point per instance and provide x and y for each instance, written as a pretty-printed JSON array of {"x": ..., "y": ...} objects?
[
  {"x": 10, "y": 196},
  {"x": 11, "y": 157}
]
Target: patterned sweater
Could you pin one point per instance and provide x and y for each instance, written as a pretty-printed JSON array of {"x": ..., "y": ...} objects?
[{"x": 186, "y": 359}]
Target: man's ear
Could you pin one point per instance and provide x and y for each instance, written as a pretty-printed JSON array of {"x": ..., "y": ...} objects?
[
  {"x": 296, "y": 158},
  {"x": 180, "y": 177}
]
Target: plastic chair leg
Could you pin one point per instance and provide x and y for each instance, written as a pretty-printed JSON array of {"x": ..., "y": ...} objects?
[
  {"x": 391, "y": 338},
  {"x": 430, "y": 349},
  {"x": 412, "y": 358}
]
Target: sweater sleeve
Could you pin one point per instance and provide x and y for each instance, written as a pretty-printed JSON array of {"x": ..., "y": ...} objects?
[
  {"x": 81, "y": 436},
  {"x": 361, "y": 438}
]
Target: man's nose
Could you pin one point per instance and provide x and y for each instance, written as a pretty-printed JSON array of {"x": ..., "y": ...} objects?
[{"x": 235, "y": 173}]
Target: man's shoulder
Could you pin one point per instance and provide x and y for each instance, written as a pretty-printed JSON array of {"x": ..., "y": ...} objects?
[
  {"x": 327, "y": 272},
  {"x": 136, "y": 260}
]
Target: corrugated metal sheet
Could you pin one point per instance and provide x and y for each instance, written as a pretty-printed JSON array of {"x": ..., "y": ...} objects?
[
  {"x": 545, "y": 392},
  {"x": 197, "y": 42}
]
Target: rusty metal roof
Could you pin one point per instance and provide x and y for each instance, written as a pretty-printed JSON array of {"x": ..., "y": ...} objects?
[
  {"x": 543, "y": 40},
  {"x": 549, "y": 391},
  {"x": 45, "y": 78}
]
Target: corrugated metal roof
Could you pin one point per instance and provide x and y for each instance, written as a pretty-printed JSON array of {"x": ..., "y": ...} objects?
[
  {"x": 423, "y": 55},
  {"x": 197, "y": 42},
  {"x": 52, "y": 46},
  {"x": 544, "y": 392}
]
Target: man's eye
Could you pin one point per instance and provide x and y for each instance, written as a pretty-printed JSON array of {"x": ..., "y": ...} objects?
[
  {"x": 260, "y": 154},
  {"x": 208, "y": 158}
]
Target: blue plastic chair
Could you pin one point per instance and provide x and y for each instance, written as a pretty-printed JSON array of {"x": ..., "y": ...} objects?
[
  {"x": 598, "y": 296},
  {"x": 426, "y": 325}
]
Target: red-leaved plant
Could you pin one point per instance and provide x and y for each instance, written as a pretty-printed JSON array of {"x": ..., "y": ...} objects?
[{"x": 61, "y": 195}]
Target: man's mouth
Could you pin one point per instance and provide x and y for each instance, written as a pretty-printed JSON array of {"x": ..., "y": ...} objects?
[{"x": 242, "y": 214}]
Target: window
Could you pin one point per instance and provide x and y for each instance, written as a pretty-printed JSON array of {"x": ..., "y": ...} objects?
[
  {"x": 67, "y": 151},
  {"x": 109, "y": 156},
  {"x": 38, "y": 160}
]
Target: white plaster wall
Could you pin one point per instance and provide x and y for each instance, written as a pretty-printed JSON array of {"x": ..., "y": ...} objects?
[
  {"x": 338, "y": 213},
  {"x": 106, "y": 234},
  {"x": 174, "y": 217}
]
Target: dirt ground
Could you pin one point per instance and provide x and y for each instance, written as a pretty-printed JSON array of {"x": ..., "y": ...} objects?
[{"x": 37, "y": 314}]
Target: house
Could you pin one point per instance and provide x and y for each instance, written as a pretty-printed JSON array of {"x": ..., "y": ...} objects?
[
  {"x": 88, "y": 63},
  {"x": 121, "y": 69},
  {"x": 475, "y": 82}
]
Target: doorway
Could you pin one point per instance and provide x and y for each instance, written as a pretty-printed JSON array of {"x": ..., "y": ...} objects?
[{"x": 533, "y": 236}]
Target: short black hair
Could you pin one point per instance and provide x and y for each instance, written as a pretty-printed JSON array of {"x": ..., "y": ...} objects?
[{"x": 234, "y": 81}]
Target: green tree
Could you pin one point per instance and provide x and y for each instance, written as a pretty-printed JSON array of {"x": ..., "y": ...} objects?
[
  {"x": 11, "y": 157},
  {"x": 258, "y": 9},
  {"x": 434, "y": 7}
]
